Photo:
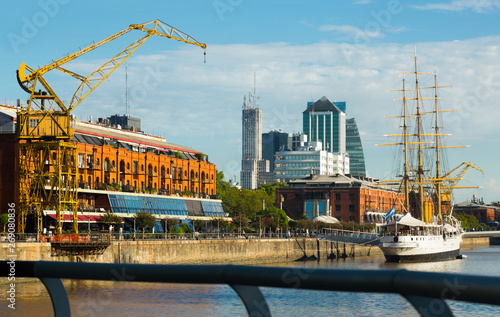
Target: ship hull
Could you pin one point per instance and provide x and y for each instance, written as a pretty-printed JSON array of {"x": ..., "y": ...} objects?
[
  {"x": 420, "y": 248},
  {"x": 424, "y": 257}
]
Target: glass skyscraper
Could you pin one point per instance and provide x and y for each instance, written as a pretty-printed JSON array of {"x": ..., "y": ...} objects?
[
  {"x": 324, "y": 121},
  {"x": 355, "y": 149}
]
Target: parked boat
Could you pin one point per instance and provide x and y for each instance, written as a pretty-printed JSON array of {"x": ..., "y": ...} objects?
[{"x": 427, "y": 231}]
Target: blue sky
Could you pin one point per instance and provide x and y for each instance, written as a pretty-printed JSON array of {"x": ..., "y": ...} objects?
[{"x": 349, "y": 51}]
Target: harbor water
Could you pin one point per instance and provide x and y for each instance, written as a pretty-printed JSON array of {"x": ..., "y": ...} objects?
[{"x": 97, "y": 298}]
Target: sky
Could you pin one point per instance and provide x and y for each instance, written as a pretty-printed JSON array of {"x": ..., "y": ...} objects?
[{"x": 297, "y": 51}]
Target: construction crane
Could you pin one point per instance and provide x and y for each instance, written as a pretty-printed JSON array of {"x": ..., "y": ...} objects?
[
  {"x": 450, "y": 181},
  {"x": 47, "y": 158}
]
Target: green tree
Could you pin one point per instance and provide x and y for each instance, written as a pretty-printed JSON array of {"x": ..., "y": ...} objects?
[
  {"x": 220, "y": 184},
  {"x": 197, "y": 224},
  {"x": 219, "y": 223},
  {"x": 280, "y": 219},
  {"x": 305, "y": 224},
  {"x": 144, "y": 220},
  {"x": 111, "y": 219},
  {"x": 171, "y": 223},
  {"x": 468, "y": 221},
  {"x": 4, "y": 220}
]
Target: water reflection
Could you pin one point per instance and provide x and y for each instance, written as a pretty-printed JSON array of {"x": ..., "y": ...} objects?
[{"x": 98, "y": 298}]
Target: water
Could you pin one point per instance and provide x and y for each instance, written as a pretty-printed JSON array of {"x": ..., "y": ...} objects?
[{"x": 97, "y": 298}]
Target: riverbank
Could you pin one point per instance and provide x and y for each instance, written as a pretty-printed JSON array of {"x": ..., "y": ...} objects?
[{"x": 234, "y": 251}]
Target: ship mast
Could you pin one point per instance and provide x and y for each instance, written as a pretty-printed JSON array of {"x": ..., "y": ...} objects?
[
  {"x": 438, "y": 167},
  {"x": 420, "y": 170},
  {"x": 405, "y": 147}
]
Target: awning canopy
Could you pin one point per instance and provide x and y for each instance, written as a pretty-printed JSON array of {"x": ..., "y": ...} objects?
[
  {"x": 81, "y": 218},
  {"x": 326, "y": 219},
  {"x": 408, "y": 220}
]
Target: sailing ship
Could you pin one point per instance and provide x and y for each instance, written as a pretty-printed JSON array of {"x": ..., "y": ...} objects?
[{"x": 427, "y": 231}]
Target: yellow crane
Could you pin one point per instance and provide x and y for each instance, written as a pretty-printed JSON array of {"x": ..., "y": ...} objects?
[
  {"x": 47, "y": 158},
  {"x": 450, "y": 182}
]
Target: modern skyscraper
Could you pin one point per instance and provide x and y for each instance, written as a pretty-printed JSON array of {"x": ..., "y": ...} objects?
[
  {"x": 324, "y": 121},
  {"x": 272, "y": 142},
  {"x": 354, "y": 148},
  {"x": 254, "y": 170}
]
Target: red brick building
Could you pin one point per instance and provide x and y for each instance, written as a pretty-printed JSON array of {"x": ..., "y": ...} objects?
[
  {"x": 344, "y": 197},
  {"x": 483, "y": 213}
]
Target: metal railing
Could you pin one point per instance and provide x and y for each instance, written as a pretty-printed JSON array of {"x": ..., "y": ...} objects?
[
  {"x": 138, "y": 236},
  {"x": 426, "y": 291},
  {"x": 348, "y": 236}
]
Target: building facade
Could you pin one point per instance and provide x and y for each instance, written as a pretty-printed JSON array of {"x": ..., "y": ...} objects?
[
  {"x": 354, "y": 149},
  {"x": 273, "y": 142},
  {"x": 307, "y": 160},
  {"x": 349, "y": 199},
  {"x": 144, "y": 172},
  {"x": 323, "y": 121}
]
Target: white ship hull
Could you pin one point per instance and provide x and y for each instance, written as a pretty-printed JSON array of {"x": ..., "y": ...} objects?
[{"x": 414, "y": 248}]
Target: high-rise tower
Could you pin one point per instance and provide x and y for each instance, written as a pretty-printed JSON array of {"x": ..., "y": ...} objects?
[
  {"x": 324, "y": 121},
  {"x": 254, "y": 170}
]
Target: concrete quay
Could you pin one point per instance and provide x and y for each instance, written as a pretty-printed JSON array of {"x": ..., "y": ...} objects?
[{"x": 233, "y": 251}]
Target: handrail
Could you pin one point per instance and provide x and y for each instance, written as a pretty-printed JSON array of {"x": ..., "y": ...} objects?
[{"x": 426, "y": 291}]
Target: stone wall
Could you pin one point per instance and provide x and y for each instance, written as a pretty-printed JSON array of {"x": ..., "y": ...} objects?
[{"x": 241, "y": 251}]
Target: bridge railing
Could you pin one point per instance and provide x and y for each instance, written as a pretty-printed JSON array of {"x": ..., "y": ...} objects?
[
  {"x": 426, "y": 291},
  {"x": 356, "y": 237}
]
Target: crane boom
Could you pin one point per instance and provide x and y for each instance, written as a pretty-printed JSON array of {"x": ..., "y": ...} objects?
[
  {"x": 44, "y": 127},
  {"x": 159, "y": 28}
]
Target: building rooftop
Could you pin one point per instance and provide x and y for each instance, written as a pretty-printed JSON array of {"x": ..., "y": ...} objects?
[
  {"x": 98, "y": 134},
  {"x": 322, "y": 104},
  {"x": 337, "y": 180}
]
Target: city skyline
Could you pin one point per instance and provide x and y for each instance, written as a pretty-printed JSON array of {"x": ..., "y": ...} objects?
[{"x": 352, "y": 50}]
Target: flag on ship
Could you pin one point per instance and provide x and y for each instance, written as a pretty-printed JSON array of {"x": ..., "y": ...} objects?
[{"x": 391, "y": 213}]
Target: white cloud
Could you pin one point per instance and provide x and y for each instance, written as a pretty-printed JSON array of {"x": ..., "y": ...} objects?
[
  {"x": 351, "y": 32},
  {"x": 478, "y": 6},
  {"x": 199, "y": 105}
]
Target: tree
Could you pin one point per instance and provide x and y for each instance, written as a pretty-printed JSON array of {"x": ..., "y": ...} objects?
[
  {"x": 144, "y": 220},
  {"x": 110, "y": 219},
  {"x": 171, "y": 224},
  {"x": 278, "y": 216},
  {"x": 219, "y": 223},
  {"x": 220, "y": 184},
  {"x": 197, "y": 224},
  {"x": 4, "y": 219},
  {"x": 468, "y": 221},
  {"x": 305, "y": 224}
]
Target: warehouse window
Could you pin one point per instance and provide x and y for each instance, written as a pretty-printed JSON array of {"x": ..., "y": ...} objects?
[{"x": 81, "y": 160}]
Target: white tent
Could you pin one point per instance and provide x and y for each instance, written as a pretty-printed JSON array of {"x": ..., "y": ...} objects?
[
  {"x": 408, "y": 220},
  {"x": 326, "y": 219}
]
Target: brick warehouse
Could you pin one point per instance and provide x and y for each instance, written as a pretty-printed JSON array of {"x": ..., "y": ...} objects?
[
  {"x": 344, "y": 197},
  {"x": 132, "y": 164}
]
